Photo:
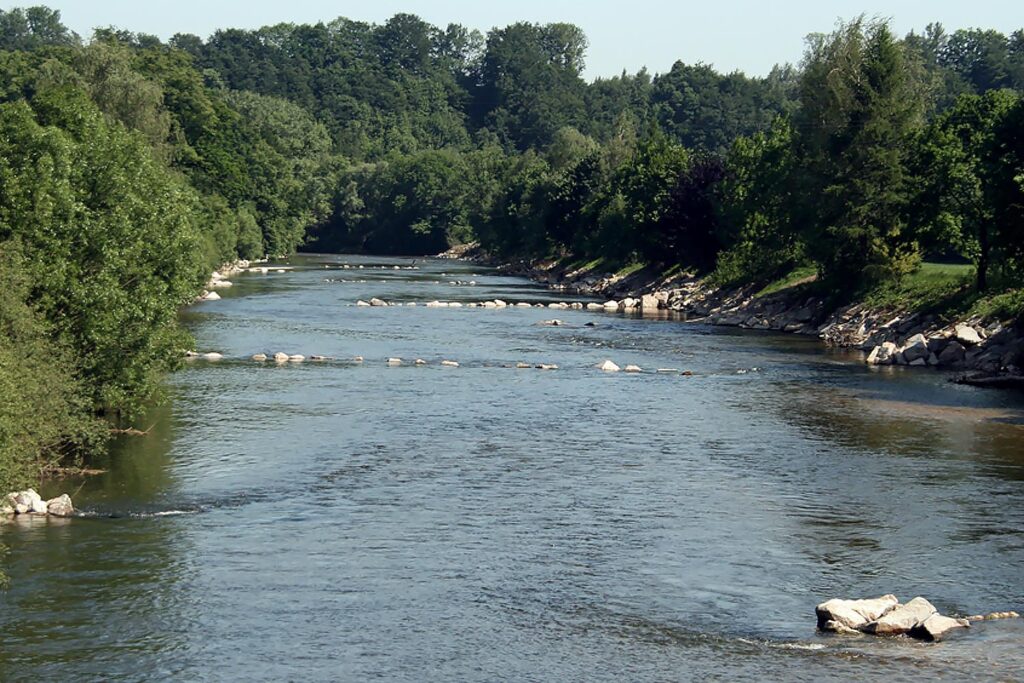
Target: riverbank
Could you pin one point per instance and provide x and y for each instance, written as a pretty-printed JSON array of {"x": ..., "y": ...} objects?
[{"x": 986, "y": 350}]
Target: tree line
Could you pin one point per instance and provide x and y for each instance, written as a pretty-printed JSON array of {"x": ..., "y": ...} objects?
[{"x": 130, "y": 166}]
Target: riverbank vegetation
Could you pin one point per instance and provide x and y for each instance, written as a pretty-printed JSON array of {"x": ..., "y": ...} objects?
[{"x": 130, "y": 166}]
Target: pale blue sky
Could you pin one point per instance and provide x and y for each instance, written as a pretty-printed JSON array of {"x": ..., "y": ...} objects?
[{"x": 730, "y": 34}]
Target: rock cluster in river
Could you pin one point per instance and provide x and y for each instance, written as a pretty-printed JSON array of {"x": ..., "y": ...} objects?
[
  {"x": 885, "y": 616},
  {"x": 29, "y": 502}
]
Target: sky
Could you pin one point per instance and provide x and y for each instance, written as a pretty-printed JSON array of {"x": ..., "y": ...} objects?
[{"x": 745, "y": 35}]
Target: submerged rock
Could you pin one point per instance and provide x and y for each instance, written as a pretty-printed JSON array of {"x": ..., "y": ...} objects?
[{"x": 854, "y": 613}]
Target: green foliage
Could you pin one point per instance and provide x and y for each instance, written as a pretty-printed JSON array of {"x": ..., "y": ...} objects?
[
  {"x": 45, "y": 412},
  {"x": 859, "y": 108},
  {"x": 110, "y": 235}
]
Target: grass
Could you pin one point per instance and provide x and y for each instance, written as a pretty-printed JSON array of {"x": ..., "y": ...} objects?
[
  {"x": 628, "y": 270},
  {"x": 942, "y": 288},
  {"x": 798, "y": 276}
]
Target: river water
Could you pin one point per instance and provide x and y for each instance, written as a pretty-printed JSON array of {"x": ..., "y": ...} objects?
[{"x": 355, "y": 521}]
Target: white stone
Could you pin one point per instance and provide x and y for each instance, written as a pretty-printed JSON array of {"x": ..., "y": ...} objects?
[
  {"x": 394, "y": 361},
  {"x": 260, "y": 357},
  {"x": 281, "y": 357},
  {"x": 378, "y": 302},
  {"x": 60, "y": 506},
  {"x": 611, "y": 305},
  {"x": 500, "y": 304},
  {"x": 609, "y": 366},
  {"x": 211, "y": 296},
  {"x": 595, "y": 307},
  {"x": 633, "y": 368},
  {"x": 902, "y": 619},
  {"x": 937, "y": 626},
  {"x": 967, "y": 335},
  {"x": 449, "y": 364},
  {"x": 362, "y": 304},
  {"x": 854, "y": 613},
  {"x": 297, "y": 358},
  {"x": 213, "y": 356}
]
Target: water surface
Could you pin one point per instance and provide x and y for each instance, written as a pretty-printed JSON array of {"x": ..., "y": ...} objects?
[{"x": 353, "y": 521}]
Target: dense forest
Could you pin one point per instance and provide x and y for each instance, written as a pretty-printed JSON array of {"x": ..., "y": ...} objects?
[{"x": 129, "y": 167}]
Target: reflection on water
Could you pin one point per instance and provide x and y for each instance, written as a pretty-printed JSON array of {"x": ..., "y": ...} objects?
[{"x": 344, "y": 520}]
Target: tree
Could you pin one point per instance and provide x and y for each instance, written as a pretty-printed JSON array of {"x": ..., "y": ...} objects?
[
  {"x": 960, "y": 156},
  {"x": 860, "y": 106}
]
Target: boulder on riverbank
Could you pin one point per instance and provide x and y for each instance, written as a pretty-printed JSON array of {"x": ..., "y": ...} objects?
[{"x": 28, "y": 502}]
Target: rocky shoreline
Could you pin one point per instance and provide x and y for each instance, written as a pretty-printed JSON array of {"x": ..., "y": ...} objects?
[{"x": 983, "y": 352}]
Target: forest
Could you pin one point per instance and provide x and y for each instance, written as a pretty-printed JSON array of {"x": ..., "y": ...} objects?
[{"x": 130, "y": 167}]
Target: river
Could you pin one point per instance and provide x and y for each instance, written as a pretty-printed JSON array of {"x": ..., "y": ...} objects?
[{"x": 352, "y": 521}]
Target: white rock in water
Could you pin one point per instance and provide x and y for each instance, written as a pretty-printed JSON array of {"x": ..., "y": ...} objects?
[
  {"x": 633, "y": 368},
  {"x": 38, "y": 506},
  {"x": 552, "y": 323},
  {"x": 260, "y": 357},
  {"x": 609, "y": 366},
  {"x": 902, "y": 619},
  {"x": 611, "y": 305},
  {"x": 547, "y": 366},
  {"x": 666, "y": 371},
  {"x": 281, "y": 357},
  {"x": 523, "y": 305},
  {"x": 854, "y": 613},
  {"x": 937, "y": 626},
  {"x": 412, "y": 303},
  {"x": 500, "y": 304},
  {"x": 595, "y": 307},
  {"x": 358, "y": 359},
  {"x": 220, "y": 284},
  {"x": 211, "y": 296},
  {"x": 489, "y": 304},
  {"x": 454, "y": 304},
  {"x": 362, "y": 304},
  {"x": 394, "y": 361},
  {"x": 60, "y": 506},
  {"x": 213, "y": 356},
  {"x": 378, "y": 302},
  {"x": 649, "y": 302},
  {"x": 449, "y": 364},
  {"x": 297, "y": 358},
  {"x": 523, "y": 366},
  {"x": 628, "y": 303},
  {"x": 420, "y": 361}
]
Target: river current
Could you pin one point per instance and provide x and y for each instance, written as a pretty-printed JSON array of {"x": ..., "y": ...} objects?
[{"x": 349, "y": 521}]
